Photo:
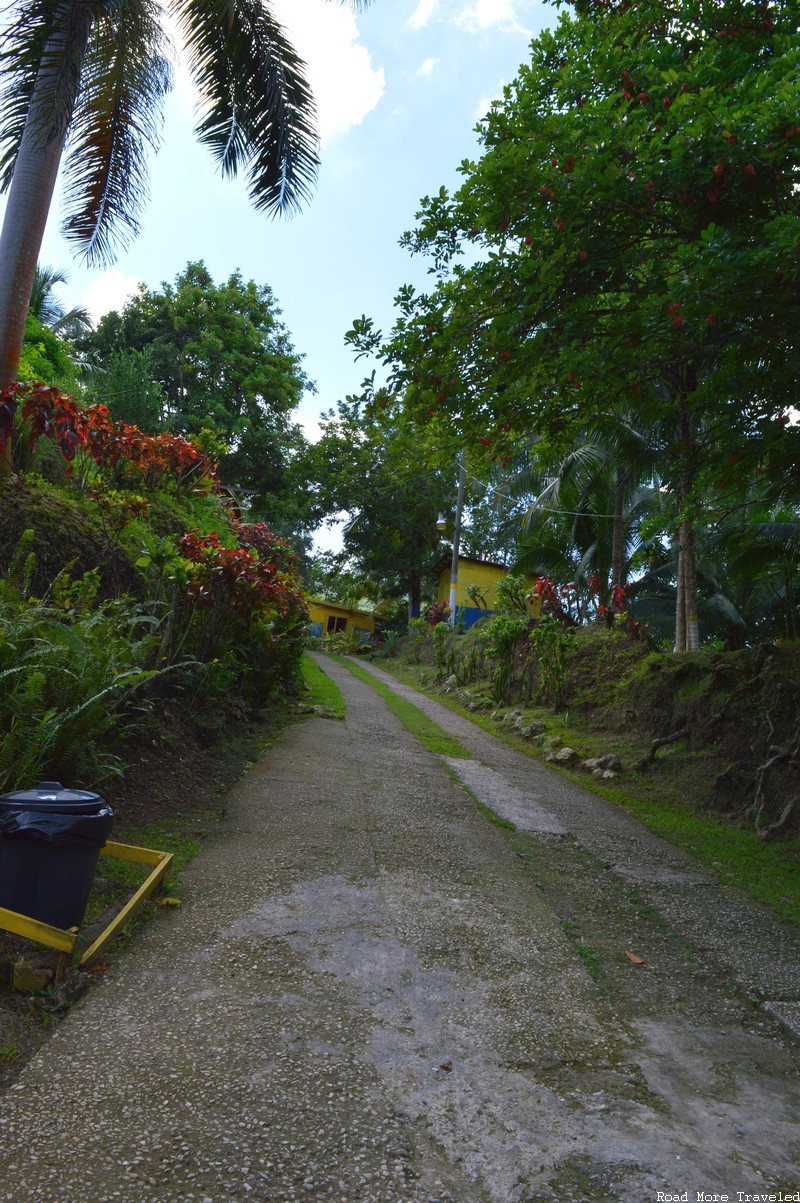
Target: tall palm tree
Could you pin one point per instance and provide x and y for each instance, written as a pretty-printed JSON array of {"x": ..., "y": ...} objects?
[
  {"x": 750, "y": 567},
  {"x": 89, "y": 77}
]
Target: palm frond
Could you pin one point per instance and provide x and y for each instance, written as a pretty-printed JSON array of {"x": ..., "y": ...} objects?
[
  {"x": 258, "y": 112},
  {"x": 542, "y": 560},
  {"x": 47, "y": 309},
  {"x": 117, "y": 118},
  {"x": 44, "y": 306},
  {"x": 73, "y": 324},
  {"x": 643, "y": 500},
  {"x": 22, "y": 45},
  {"x": 42, "y": 48},
  {"x": 726, "y": 607},
  {"x": 782, "y": 534}
]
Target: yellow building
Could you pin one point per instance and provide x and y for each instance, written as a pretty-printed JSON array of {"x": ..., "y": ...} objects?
[
  {"x": 480, "y": 573},
  {"x": 328, "y": 618}
]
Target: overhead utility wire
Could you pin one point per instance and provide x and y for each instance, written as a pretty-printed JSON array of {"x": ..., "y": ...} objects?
[{"x": 540, "y": 509}]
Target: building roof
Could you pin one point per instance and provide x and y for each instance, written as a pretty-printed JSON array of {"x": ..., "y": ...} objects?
[
  {"x": 316, "y": 601},
  {"x": 447, "y": 561}
]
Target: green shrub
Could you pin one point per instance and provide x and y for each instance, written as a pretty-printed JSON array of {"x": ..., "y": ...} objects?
[
  {"x": 391, "y": 643},
  {"x": 511, "y": 593},
  {"x": 503, "y": 636},
  {"x": 418, "y": 636},
  {"x": 477, "y": 596},
  {"x": 442, "y": 640},
  {"x": 552, "y": 640},
  {"x": 343, "y": 643}
]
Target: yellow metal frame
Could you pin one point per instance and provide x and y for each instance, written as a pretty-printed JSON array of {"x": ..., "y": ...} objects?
[{"x": 64, "y": 941}]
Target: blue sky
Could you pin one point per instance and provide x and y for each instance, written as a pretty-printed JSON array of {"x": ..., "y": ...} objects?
[{"x": 399, "y": 88}]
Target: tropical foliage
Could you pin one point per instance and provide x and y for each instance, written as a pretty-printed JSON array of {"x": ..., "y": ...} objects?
[
  {"x": 92, "y": 78},
  {"x": 195, "y": 355},
  {"x": 69, "y": 668},
  {"x": 377, "y": 474},
  {"x": 588, "y": 274},
  {"x": 180, "y": 595},
  {"x": 45, "y": 306}
]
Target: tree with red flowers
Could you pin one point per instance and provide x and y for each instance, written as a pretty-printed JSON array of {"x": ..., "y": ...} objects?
[{"x": 629, "y": 238}]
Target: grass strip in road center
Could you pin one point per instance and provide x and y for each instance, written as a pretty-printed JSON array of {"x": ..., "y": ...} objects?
[
  {"x": 426, "y": 731},
  {"x": 323, "y": 692}
]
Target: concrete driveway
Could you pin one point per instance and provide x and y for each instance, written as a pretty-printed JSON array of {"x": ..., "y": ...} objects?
[{"x": 371, "y": 995}]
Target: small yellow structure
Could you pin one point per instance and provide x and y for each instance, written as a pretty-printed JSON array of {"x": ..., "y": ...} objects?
[
  {"x": 485, "y": 576},
  {"x": 329, "y": 618}
]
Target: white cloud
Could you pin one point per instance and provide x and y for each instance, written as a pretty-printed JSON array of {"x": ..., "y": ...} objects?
[
  {"x": 422, "y": 14},
  {"x": 428, "y": 65},
  {"x": 109, "y": 291},
  {"x": 473, "y": 16},
  {"x": 486, "y": 102},
  {"x": 345, "y": 84},
  {"x": 485, "y": 13},
  {"x": 310, "y": 423}
]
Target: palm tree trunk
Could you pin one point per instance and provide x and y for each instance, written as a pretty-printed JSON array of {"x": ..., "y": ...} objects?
[
  {"x": 687, "y": 632},
  {"x": 690, "y": 586},
  {"x": 680, "y": 605},
  {"x": 31, "y": 191},
  {"x": 618, "y": 533},
  {"x": 687, "y": 626}
]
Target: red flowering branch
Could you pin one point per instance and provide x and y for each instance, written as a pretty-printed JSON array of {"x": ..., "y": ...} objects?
[
  {"x": 552, "y": 597},
  {"x": 438, "y": 612},
  {"x": 253, "y": 586},
  {"x": 91, "y": 429}
]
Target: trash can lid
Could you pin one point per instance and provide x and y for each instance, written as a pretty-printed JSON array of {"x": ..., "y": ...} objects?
[{"x": 51, "y": 795}]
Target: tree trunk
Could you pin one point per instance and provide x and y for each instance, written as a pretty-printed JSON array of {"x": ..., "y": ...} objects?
[
  {"x": 687, "y": 626},
  {"x": 680, "y": 605},
  {"x": 690, "y": 586},
  {"x": 462, "y": 480},
  {"x": 618, "y": 532},
  {"x": 31, "y": 191}
]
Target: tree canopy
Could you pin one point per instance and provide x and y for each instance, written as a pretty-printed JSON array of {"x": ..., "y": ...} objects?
[
  {"x": 628, "y": 239},
  {"x": 195, "y": 355},
  {"x": 379, "y": 476},
  {"x": 638, "y": 171}
]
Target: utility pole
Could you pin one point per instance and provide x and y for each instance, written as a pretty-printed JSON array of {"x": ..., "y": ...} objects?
[{"x": 462, "y": 479}]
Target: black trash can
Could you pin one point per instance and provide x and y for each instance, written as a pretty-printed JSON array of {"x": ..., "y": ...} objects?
[{"x": 50, "y": 839}]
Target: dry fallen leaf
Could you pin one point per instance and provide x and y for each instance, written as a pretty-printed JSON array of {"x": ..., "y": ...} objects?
[
  {"x": 170, "y": 902},
  {"x": 632, "y": 957}
]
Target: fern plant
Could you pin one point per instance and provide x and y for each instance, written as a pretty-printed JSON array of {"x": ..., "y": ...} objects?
[{"x": 68, "y": 670}]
